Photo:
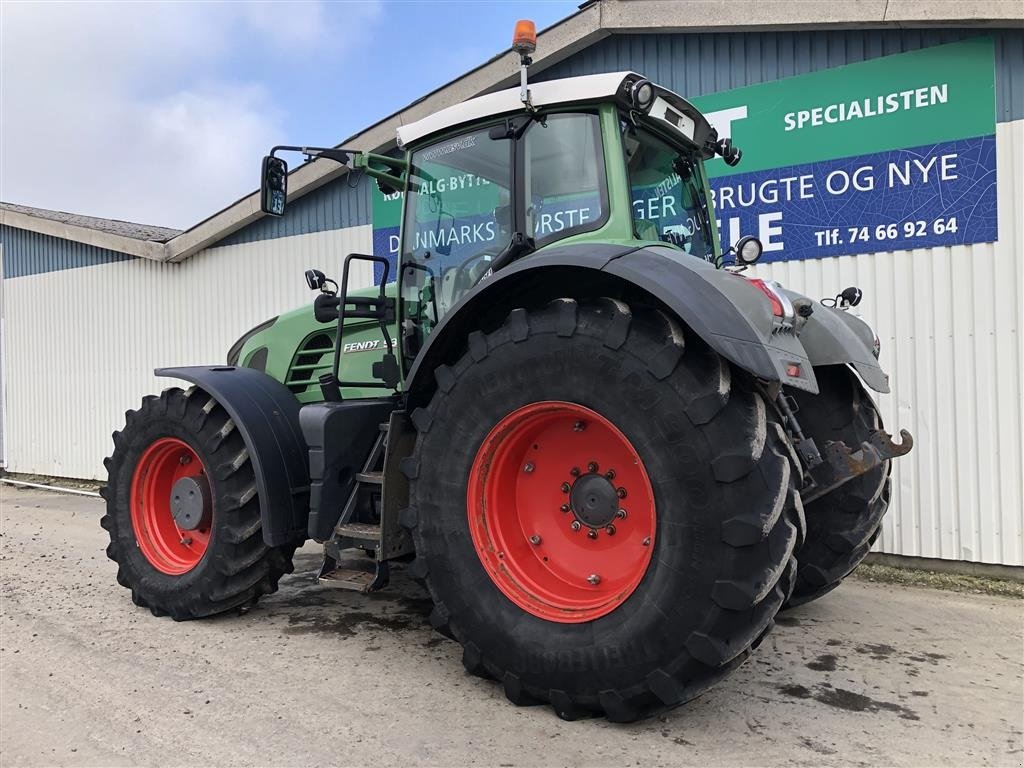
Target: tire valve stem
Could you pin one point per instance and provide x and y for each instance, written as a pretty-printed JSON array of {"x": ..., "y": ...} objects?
[
  {"x": 647, "y": 541},
  {"x": 535, "y": 539},
  {"x": 186, "y": 540},
  {"x": 185, "y": 459},
  {"x": 528, "y": 467},
  {"x": 593, "y": 579},
  {"x": 579, "y": 426}
]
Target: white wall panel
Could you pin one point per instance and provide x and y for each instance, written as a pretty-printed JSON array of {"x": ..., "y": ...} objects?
[
  {"x": 950, "y": 321},
  {"x": 82, "y": 344}
]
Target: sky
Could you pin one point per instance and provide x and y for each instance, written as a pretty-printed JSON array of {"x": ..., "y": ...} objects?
[{"x": 159, "y": 113}]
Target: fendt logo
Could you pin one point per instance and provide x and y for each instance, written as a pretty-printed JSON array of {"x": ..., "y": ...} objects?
[{"x": 361, "y": 346}]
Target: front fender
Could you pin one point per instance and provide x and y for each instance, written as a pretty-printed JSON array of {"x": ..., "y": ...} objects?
[{"x": 266, "y": 414}]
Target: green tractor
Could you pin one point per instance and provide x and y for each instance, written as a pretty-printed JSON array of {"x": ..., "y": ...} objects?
[{"x": 610, "y": 456}]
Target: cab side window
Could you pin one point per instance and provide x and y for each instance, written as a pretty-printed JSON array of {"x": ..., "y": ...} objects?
[{"x": 565, "y": 191}]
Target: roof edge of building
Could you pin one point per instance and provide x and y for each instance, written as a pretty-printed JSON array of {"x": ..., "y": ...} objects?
[{"x": 146, "y": 249}]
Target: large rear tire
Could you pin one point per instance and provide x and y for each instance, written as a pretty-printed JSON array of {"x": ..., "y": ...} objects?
[
  {"x": 185, "y": 444},
  {"x": 843, "y": 524},
  {"x": 512, "y": 506}
]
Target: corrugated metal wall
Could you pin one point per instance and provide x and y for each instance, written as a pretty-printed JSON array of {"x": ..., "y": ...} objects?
[
  {"x": 30, "y": 253},
  {"x": 344, "y": 203},
  {"x": 81, "y": 344}
]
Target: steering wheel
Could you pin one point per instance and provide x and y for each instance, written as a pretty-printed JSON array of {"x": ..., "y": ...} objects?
[{"x": 464, "y": 278}]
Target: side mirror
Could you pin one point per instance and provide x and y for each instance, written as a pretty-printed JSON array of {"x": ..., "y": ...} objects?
[
  {"x": 748, "y": 250},
  {"x": 273, "y": 185}
]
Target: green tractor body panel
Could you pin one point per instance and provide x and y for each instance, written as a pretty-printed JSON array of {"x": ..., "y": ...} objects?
[{"x": 300, "y": 349}]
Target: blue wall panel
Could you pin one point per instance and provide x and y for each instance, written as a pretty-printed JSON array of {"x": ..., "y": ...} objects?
[
  {"x": 30, "y": 253},
  {"x": 698, "y": 64},
  {"x": 339, "y": 204}
]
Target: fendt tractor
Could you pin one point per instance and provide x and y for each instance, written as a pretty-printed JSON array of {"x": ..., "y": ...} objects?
[{"x": 610, "y": 456}]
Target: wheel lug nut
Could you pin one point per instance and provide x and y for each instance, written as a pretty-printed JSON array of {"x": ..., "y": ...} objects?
[
  {"x": 528, "y": 467},
  {"x": 593, "y": 579},
  {"x": 579, "y": 426},
  {"x": 621, "y": 492},
  {"x": 564, "y": 508},
  {"x": 591, "y": 534},
  {"x": 647, "y": 541},
  {"x": 575, "y": 525},
  {"x": 565, "y": 487},
  {"x": 535, "y": 539},
  {"x": 610, "y": 529},
  {"x": 621, "y": 514},
  {"x": 575, "y": 471},
  {"x": 592, "y": 466},
  {"x": 610, "y": 474}
]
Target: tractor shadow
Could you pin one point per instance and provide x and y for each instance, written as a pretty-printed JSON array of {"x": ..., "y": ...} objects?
[{"x": 306, "y": 607}]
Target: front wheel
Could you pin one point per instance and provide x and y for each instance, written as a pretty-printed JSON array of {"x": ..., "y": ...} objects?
[
  {"x": 605, "y": 520},
  {"x": 183, "y": 512}
]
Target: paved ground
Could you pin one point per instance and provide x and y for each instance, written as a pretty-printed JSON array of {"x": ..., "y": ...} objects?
[{"x": 871, "y": 675}]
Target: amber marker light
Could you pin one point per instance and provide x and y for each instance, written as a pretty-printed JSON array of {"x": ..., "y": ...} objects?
[{"x": 524, "y": 39}]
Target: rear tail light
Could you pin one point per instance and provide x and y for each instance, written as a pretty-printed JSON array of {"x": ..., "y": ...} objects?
[{"x": 782, "y": 307}]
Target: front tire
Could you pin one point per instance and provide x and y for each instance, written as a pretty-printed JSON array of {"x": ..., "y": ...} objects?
[
  {"x": 185, "y": 444},
  {"x": 714, "y": 495}
]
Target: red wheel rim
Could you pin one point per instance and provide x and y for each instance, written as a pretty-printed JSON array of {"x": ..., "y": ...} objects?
[
  {"x": 167, "y": 547},
  {"x": 539, "y": 500}
]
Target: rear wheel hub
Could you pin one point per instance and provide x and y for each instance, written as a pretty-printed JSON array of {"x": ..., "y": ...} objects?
[
  {"x": 594, "y": 501},
  {"x": 545, "y": 500}
]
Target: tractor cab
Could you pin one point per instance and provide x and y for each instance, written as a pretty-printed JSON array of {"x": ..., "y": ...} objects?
[{"x": 610, "y": 158}]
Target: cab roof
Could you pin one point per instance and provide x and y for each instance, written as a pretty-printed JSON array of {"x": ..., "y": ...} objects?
[{"x": 569, "y": 90}]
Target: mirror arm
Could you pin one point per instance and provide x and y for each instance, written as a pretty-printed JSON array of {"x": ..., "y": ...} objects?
[{"x": 392, "y": 173}]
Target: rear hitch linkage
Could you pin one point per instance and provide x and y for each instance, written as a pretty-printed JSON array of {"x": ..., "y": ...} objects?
[
  {"x": 841, "y": 464},
  {"x": 837, "y": 464}
]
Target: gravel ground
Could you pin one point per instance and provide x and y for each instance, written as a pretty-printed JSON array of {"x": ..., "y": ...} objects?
[{"x": 874, "y": 674}]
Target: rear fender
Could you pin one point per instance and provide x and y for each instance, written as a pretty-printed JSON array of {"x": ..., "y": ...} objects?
[
  {"x": 832, "y": 337},
  {"x": 266, "y": 415},
  {"x": 726, "y": 311}
]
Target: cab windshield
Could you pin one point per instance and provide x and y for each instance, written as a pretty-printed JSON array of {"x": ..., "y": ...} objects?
[
  {"x": 461, "y": 210},
  {"x": 667, "y": 193}
]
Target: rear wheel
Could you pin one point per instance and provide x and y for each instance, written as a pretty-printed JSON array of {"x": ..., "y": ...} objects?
[
  {"x": 605, "y": 521},
  {"x": 182, "y": 510},
  {"x": 843, "y": 524}
]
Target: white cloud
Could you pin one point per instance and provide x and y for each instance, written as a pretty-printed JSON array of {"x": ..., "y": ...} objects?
[{"x": 124, "y": 110}]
